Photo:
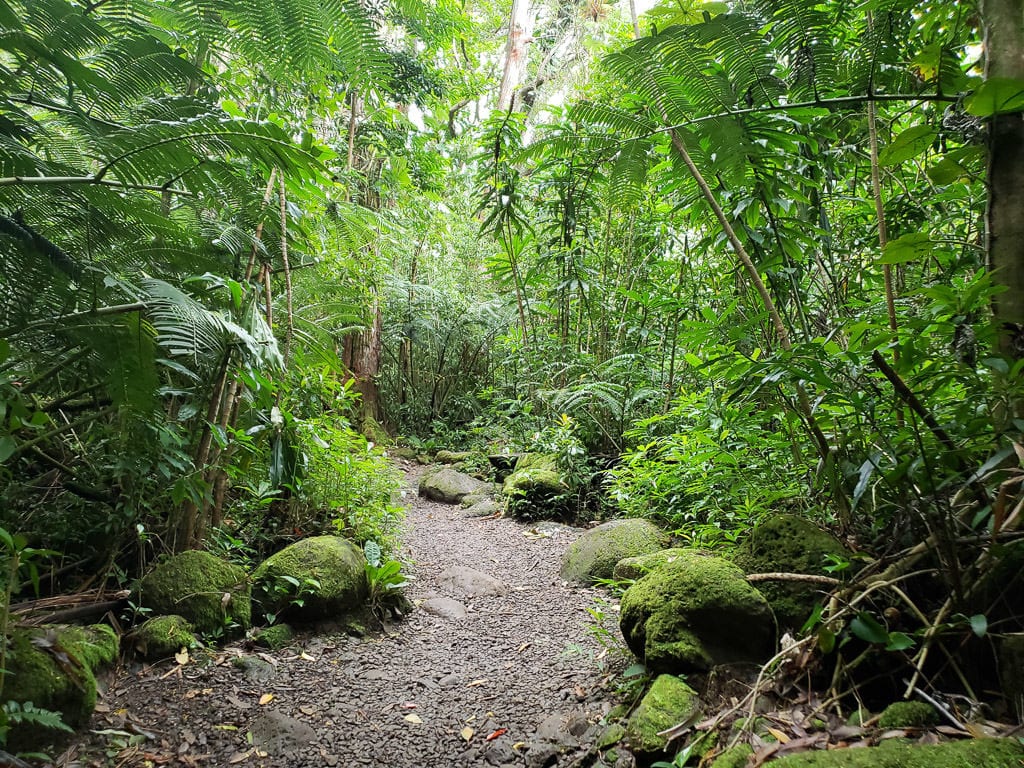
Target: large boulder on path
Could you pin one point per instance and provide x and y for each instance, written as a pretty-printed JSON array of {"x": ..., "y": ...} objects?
[
  {"x": 316, "y": 578},
  {"x": 448, "y": 485},
  {"x": 668, "y": 702},
  {"x": 694, "y": 613},
  {"x": 535, "y": 490},
  {"x": 594, "y": 554},
  {"x": 789, "y": 544},
  {"x": 210, "y": 593},
  {"x": 54, "y": 668}
]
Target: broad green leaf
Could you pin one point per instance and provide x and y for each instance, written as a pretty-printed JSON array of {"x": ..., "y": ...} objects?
[
  {"x": 908, "y": 144},
  {"x": 979, "y": 624},
  {"x": 867, "y": 628},
  {"x": 910, "y": 247},
  {"x": 997, "y": 95},
  {"x": 899, "y": 641},
  {"x": 7, "y": 447},
  {"x": 946, "y": 172},
  {"x": 826, "y": 640}
]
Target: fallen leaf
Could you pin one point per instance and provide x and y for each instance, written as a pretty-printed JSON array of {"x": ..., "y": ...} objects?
[
  {"x": 467, "y": 733},
  {"x": 308, "y": 709},
  {"x": 182, "y": 657},
  {"x": 240, "y": 757},
  {"x": 780, "y": 737},
  {"x": 523, "y": 647},
  {"x": 413, "y": 719},
  {"x": 496, "y": 734},
  {"x": 475, "y": 683},
  {"x": 266, "y": 698},
  {"x": 225, "y": 727},
  {"x": 518, "y": 745},
  {"x": 306, "y": 657},
  {"x": 408, "y": 705}
]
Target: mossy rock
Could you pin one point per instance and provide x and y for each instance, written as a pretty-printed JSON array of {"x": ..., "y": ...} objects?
[
  {"x": 162, "y": 637},
  {"x": 193, "y": 584},
  {"x": 734, "y": 757},
  {"x": 694, "y": 613},
  {"x": 595, "y": 554},
  {"x": 404, "y": 452},
  {"x": 332, "y": 574},
  {"x": 448, "y": 485},
  {"x": 373, "y": 431},
  {"x": 535, "y": 489},
  {"x": 789, "y": 544},
  {"x": 972, "y": 753},
  {"x": 908, "y": 714},
  {"x": 633, "y": 568},
  {"x": 669, "y": 702},
  {"x": 35, "y": 674},
  {"x": 454, "y": 457},
  {"x": 276, "y": 637}
]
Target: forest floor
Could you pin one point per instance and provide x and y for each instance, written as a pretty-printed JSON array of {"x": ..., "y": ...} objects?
[{"x": 498, "y": 666}]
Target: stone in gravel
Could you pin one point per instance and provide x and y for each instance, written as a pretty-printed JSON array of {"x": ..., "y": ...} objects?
[
  {"x": 695, "y": 613},
  {"x": 595, "y": 553},
  {"x": 485, "y": 508},
  {"x": 445, "y": 607},
  {"x": 471, "y": 582},
  {"x": 499, "y": 753},
  {"x": 278, "y": 734},
  {"x": 256, "y": 669},
  {"x": 447, "y": 485}
]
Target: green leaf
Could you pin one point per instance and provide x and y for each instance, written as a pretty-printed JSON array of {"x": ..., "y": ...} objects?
[
  {"x": 826, "y": 640},
  {"x": 997, "y": 95},
  {"x": 910, "y": 247},
  {"x": 946, "y": 172},
  {"x": 867, "y": 628},
  {"x": 7, "y": 447},
  {"x": 899, "y": 641},
  {"x": 908, "y": 144},
  {"x": 979, "y": 624}
]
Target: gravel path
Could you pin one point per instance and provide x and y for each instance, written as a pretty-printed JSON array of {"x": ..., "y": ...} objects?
[{"x": 515, "y": 681}]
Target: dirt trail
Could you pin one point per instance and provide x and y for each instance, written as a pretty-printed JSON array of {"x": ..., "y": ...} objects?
[{"x": 520, "y": 667}]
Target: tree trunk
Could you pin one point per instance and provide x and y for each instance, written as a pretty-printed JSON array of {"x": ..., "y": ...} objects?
[
  {"x": 361, "y": 353},
  {"x": 520, "y": 28},
  {"x": 1004, "y": 57}
]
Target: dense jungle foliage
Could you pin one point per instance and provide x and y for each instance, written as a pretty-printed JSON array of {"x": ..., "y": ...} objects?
[{"x": 725, "y": 259}]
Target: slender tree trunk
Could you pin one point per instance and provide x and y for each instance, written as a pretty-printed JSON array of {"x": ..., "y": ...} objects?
[
  {"x": 361, "y": 353},
  {"x": 520, "y": 27},
  {"x": 1004, "y": 58},
  {"x": 633, "y": 17}
]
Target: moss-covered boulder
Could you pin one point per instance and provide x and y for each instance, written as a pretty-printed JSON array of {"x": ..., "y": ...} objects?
[
  {"x": 669, "y": 702},
  {"x": 448, "y": 485},
  {"x": 789, "y": 544},
  {"x": 908, "y": 714},
  {"x": 315, "y": 578},
  {"x": 632, "y": 568},
  {"x": 374, "y": 431},
  {"x": 162, "y": 637},
  {"x": 276, "y": 637},
  {"x": 535, "y": 489},
  {"x": 54, "y": 668},
  {"x": 972, "y": 753},
  {"x": 594, "y": 554},
  {"x": 210, "y": 593},
  {"x": 454, "y": 457},
  {"x": 734, "y": 757},
  {"x": 694, "y": 613}
]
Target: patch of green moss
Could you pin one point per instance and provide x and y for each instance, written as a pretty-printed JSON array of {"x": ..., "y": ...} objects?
[
  {"x": 453, "y": 457},
  {"x": 973, "y": 753},
  {"x": 35, "y": 673},
  {"x": 163, "y": 636},
  {"x": 330, "y": 570},
  {"x": 669, "y": 702},
  {"x": 611, "y": 735},
  {"x": 734, "y": 757},
  {"x": 908, "y": 714},
  {"x": 641, "y": 565},
  {"x": 276, "y": 637},
  {"x": 595, "y": 554},
  {"x": 193, "y": 584},
  {"x": 790, "y": 544},
  {"x": 372, "y": 430},
  {"x": 694, "y": 613}
]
